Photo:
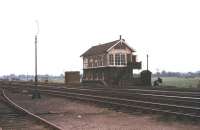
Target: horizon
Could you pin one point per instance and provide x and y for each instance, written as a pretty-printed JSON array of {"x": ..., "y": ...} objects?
[
  {"x": 62, "y": 74},
  {"x": 168, "y": 31}
]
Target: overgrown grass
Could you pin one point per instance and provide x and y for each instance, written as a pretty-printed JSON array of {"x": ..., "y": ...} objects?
[
  {"x": 180, "y": 82},
  {"x": 167, "y": 81}
]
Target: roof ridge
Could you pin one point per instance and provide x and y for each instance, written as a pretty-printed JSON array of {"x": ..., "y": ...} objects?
[
  {"x": 105, "y": 43},
  {"x": 100, "y": 49}
]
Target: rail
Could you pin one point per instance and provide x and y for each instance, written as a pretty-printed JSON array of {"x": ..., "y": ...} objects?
[
  {"x": 49, "y": 124},
  {"x": 120, "y": 98}
]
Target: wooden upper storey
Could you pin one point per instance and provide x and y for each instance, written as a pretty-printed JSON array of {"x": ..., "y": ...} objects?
[{"x": 113, "y": 54}]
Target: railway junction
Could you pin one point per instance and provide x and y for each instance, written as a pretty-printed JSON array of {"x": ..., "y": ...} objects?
[{"x": 103, "y": 108}]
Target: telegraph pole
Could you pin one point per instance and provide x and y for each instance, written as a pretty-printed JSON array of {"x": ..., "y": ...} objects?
[
  {"x": 36, "y": 78},
  {"x": 147, "y": 62},
  {"x": 36, "y": 93}
]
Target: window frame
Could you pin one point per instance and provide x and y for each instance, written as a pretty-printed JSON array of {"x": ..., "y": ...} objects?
[
  {"x": 120, "y": 59},
  {"x": 117, "y": 59},
  {"x": 111, "y": 59}
]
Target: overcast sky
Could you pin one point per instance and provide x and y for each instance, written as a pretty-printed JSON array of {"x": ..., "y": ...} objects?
[{"x": 167, "y": 30}]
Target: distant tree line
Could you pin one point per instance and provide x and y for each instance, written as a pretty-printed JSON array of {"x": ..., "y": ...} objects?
[
  {"x": 24, "y": 77},
  {"x": 177, "y": 74}
]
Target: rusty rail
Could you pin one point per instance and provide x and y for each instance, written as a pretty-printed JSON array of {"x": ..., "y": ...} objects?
[{"x": 16, "y": 106}]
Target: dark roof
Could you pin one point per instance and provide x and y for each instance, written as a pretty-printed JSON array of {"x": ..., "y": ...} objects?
[{"x": 99, "y": 49}]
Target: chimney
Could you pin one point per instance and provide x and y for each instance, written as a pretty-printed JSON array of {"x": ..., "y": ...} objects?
[{"x": 120, "y": 37}]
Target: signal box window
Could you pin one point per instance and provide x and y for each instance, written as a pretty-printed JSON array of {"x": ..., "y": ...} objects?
[{"x": 111, "y": 59}]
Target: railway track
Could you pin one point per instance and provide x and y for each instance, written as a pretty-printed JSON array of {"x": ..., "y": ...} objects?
[
  {"x": 10, "y": 118},
  {"x": 148, "y": 90},
  {"x": 185, "y": 104},
  {"x": 14, "y": 117},
  {"x": 98, "y": 86},
  {"x": 179, "y": 110}
]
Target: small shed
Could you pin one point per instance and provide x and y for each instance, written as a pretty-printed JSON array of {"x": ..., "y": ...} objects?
[
  {"x": 146, "y": 77},
  {"x": 72, "y": 77}
]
